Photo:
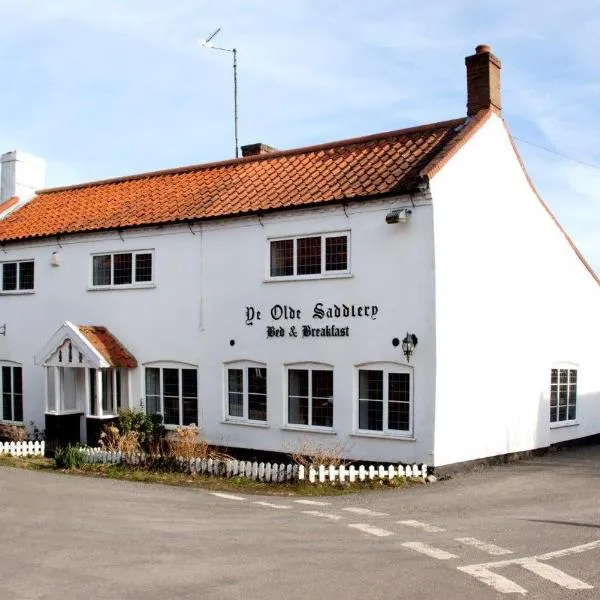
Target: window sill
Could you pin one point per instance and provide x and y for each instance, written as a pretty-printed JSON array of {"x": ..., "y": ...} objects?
[
  {"x": 104, "y": 416},
  {"x": 6, "y": 422},
  {"x": 111, "y": 288},
  {"x": 16, "y": 292},
  {"x": 60, "y": 413},
  {"x": 309, "y": 429},
  {"x": 259, "y": 424},
  {"x": 384, "y": 436},
  {"x": 562, "y": 424},
  {"x": 308, "y": 277},
  {"x": 172, "y": 427}
]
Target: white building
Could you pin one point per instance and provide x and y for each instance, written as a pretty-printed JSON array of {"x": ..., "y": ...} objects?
[{"x": 270, "y": 298}]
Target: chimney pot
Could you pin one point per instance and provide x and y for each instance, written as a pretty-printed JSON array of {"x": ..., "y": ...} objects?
[
  {"x": 257, "y": 149},
  {"x": 483, "y": 80}
]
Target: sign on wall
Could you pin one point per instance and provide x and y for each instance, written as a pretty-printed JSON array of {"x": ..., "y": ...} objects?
[{"x": 285, "y": 320}]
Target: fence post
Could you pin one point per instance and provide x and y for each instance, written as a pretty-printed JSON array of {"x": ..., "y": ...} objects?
[
  {"x": 311, "y": 474},
  {"x": 342, "y": 472},
  {"x": 371, "y": 472}
]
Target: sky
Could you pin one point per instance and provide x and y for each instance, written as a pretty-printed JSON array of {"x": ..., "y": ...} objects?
[{"x": 103, "y": 88}]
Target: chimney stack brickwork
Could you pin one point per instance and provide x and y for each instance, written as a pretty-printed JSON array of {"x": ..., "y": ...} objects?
[
  {"x": 257, "y": 149},
  {"x": 483, "y": 80}
]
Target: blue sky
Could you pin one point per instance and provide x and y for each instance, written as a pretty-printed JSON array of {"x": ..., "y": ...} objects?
[{"x": 112, "y": 87}]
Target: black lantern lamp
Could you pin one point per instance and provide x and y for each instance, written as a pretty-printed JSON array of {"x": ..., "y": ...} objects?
[{"x": 408, "y": 345}]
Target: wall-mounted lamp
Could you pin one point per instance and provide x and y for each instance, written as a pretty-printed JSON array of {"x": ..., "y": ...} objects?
[
  {"x": 3, "y": 329},
  {"x": 408, "y": 345},
  {"x": 398, "y": 215},
  {"x": 55, "y": 259}
]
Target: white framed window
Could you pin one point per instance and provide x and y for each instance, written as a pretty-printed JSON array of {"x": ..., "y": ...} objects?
[
  {"x": 563, "y": 394},
  {"x": 17, "y": 276},
  {"x": 246, "y": 391},
  {"x": 11, "y": 385},
  {"x": 310, "y": 395},
  {"x": 172, "y": 391},
  {"x": 385, "y": 399},
  {"x": 309, "y": 256},
  {"x": 122, "y": 269}
]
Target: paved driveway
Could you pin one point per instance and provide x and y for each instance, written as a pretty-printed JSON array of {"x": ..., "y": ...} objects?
[{"x": 527, "y": 529}]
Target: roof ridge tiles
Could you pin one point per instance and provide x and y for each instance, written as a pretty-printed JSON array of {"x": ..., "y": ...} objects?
[{"x": 320, "y": 148}]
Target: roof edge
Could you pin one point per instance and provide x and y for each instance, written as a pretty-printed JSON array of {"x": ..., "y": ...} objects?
[{"x": 257, "y": 158}]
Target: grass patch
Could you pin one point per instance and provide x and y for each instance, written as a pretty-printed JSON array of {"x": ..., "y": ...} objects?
[{"x": 194, "y": 480}]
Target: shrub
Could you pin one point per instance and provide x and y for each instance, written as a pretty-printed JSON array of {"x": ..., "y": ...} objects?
[
  {"x": 69, "y": 457},
  {"x": 12, "y": 433},
  {"x": 149, "y": 429},
  {"x": 112, "y": 440},
  {"x": 309, "y": 453},
  {"x": 187, "y": 443}
]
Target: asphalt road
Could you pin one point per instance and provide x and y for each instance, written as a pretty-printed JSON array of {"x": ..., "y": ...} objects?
[{"x": 526, "y": 529}]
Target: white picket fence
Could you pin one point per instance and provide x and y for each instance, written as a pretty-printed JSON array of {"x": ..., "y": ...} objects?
[
  {"x": 269, "y": 472},
  {"x": 23, "y": 448}
]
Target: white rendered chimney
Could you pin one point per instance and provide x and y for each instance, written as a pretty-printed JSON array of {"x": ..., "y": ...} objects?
[{"x": 21, "y": 175}]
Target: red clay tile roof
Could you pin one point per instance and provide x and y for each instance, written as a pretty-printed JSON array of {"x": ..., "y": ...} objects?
[
  {"x": 108, "y": 345},
  {"x": 8, "y": 203},
  {"x": 359, "y": 168}
]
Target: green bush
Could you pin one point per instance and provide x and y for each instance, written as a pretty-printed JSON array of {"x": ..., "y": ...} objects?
[
  {"x": 149, "y": 428},
  {"x": 69, "y": 457}
]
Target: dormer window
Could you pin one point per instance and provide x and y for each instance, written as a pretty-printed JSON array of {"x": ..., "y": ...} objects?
[
  {"x": 310, "y": 256},
  {"x": 122, "y": 269}
]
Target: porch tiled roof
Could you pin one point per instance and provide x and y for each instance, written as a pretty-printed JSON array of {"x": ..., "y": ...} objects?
[
  {"x": 360, "y": 168},
  {"x": 108, "y": 346}
]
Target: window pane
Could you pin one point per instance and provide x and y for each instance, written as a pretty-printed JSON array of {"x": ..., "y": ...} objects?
[
  {"x": 122, "y": 269},
  {"x": 309, "y": 255},
  {"x": 399, "y": 387},
  {"x": 107, "y": 395},
  {"x": 553, "y": 415},
  {"x": 101, "y": 270},
  {"x": 92, "y": 373},
  {"x": 322, "y": 398},
  {"x": 336, "y": 253},
  {"x": 298, "y": 397},
  {"x": 26, "y": 275},
  {"x": 370, "y": 415},
  {"x": 9, "y": 276},
  {"x": 282, "y": 258},
  {"x": 7, "y": 413},
  {"x": 399, "y": 401},
  {"x": 152, "y": 391},
  {"x": 235, "y": 385},
  {"x": 257, "y": 393},
  {"x": 189, "y": 390},
  {"x": 143, "y": 267},
  {"x": 370, "y": 385},
  {"x": 571, "y": 413}
]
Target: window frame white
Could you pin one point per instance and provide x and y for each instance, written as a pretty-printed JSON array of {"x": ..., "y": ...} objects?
[
  {"x": 112, "y": 393},
  {"x": 569, "y": 367},
  {"x": 18, "y": 289},
  {"x": 244, "y": 366},
  {"x": 310, "y": 367},
  {"x": 122, "y": 286},
  {"x": 323, "y": 274},
  {"x": 180, "y": 366},
  {"x": 387, "y": 368},
  {"x": 12, "y": 365}
]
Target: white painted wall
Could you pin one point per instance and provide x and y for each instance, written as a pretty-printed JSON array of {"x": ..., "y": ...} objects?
[
  {"x": 512, "y": 298},
  {"x": 205, "y": 278}
]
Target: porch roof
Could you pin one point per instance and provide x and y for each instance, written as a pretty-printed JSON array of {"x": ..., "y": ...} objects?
[{"x": 108, "y": 346}]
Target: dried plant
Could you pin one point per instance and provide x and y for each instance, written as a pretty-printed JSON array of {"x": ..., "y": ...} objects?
[
  {"x": 12, "y": 433},
  {"x": 188, "y": 444},
  {"x": 112, "y": 440},
  {"x": 310, "y": 453}
]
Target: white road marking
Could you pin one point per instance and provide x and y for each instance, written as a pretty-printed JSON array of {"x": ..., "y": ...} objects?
[
  {"x": 429, "y": 550},
  {"x": 498, "y": 582},
  {"x": 227, "y": 496},
  {"x": 489, "y": 548},
  {"x": 370, "y": 529},
  {"x": 483, "y": 572},
  {"x": 270, "y": 505},
  {"x": 423, "y": 526},
  {"x": 554, "y": 575},
  {"x": 365, "y": 511},
  {"x": 316, "y": 513},
  {"x": 312, "y": 502}
]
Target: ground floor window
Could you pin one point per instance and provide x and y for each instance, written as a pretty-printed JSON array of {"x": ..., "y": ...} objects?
[
  {"x": 563, "y": 395},
  {"x": 173, "y": 393},
  {"x": 310, "y": 396},
  {"x": 247, "y": 392},
  {"x": 12, "y": 393},
  {"x": 384, "y": 399}
]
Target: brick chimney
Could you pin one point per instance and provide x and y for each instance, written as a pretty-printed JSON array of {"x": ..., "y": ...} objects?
[
  {"x": 257, "y": 149},
  {"x": 483, "y": 80}
]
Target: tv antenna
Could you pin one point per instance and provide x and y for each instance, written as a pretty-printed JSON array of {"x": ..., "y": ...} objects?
[{"x": 207, "y": 43}]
